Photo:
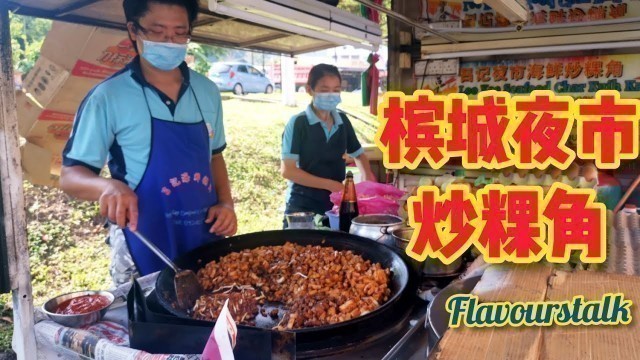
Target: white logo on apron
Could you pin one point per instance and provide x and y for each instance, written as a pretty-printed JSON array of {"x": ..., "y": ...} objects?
[{"x": 210, "y": 130}]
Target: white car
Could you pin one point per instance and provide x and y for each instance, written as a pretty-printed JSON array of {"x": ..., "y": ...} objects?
[{"x": 241, "y": 78}]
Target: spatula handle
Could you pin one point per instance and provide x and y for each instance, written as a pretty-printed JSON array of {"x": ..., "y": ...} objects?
[{"x": 156, "y": 251}]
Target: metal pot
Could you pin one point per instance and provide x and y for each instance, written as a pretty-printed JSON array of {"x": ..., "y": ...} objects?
[
  {"x": 430, "y": 266},
  {"x": 377, "y": 227}
]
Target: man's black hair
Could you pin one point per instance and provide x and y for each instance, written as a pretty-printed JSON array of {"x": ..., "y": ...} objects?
[{"x": 135, "y": 9}]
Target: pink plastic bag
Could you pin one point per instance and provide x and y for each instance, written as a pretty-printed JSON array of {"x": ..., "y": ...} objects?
[{"x": 373, "y": 198}]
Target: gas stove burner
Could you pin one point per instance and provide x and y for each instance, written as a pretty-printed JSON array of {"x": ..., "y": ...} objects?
[
  {"x": 440, "y": 281},
  {"x": 399, "y": 333},
  {"x": 429, "y": 286}
]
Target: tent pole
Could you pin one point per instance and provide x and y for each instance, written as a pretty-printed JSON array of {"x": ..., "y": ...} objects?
[
  {"x": 14, "y": 219},
  {"x": 288, "y": 80}
]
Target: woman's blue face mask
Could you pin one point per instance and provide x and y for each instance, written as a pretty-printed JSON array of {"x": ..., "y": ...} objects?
[
  {"x": 164, "y": 56},
  {"x": 327, "y": 101}
]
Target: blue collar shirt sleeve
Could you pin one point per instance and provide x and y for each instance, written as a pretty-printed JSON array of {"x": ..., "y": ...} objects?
[
  {"x": 288, "y": 151},
  {"x": 92, "y": 134}
]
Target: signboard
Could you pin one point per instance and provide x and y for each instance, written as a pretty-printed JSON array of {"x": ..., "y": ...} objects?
[
  {"x": 575, "y": 76},
  {"x": 542, "y": 12}
]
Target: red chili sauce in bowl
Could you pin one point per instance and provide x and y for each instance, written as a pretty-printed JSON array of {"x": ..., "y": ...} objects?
[{"x": 83, "y": 304}]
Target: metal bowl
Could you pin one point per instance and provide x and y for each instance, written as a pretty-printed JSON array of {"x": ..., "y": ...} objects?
[
  {"x": 79, "y": 320},
  {"x": 430, "y": 266}
]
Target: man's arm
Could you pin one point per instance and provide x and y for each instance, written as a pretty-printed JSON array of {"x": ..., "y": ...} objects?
[
  {"x": 86, "y": 152},
  {"x": 117, "y": 201},
  {"x": 226, "y": 223},
  {"x": 290, "y": 171}
]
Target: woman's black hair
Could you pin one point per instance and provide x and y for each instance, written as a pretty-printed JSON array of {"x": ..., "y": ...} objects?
[
  {"x": 135, "y": 9},
  {"x": 321, "y": 70}
]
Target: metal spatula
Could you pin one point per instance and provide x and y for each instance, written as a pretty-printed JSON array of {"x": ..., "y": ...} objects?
[{"x": 188, "y": 289}]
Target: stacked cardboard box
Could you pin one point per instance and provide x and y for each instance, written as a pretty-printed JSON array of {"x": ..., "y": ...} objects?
[
  {"x": 74, "y": 58},
  {"x": 529, "y": 283}
]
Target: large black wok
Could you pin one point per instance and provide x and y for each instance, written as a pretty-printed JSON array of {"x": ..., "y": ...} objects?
[{"x": 369, "y": 250}]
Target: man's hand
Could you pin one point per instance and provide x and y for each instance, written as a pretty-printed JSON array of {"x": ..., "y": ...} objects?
[
  {"x": 226, "y": 223},
  {"x": 119, "y": 204}
]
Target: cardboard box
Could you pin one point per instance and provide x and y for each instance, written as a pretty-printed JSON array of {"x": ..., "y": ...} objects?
[
  {"x": 533, "y": 283},
  {"x": 28, "y": 111},
  {"x": 52, "y": 130},
  {"x": 65, "y": 74},
  {"x": 593, "y": 342},
  {"x": 45, "y": 80},
  {"x": 84, "y": 50},
  {"x": 515, "y": 282},
  {"x": 36, "y": 165},
  {"x": 499, "y": 283},
  {"x": 70, "y": 94},
  {"x": 74, "y": 59}
]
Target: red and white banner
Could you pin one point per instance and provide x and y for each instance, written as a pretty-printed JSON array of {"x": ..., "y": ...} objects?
[{"x": 223, "y": 337}]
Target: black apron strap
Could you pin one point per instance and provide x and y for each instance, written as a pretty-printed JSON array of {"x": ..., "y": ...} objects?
[{"x": 197, "y": 103}]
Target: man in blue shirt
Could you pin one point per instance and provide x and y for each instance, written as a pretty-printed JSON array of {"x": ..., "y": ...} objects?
[{"x": 159, "y": 125}]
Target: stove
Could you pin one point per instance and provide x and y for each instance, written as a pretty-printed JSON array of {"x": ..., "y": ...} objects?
[
  {"x": 429, "y": 287},
  {"x": 401, "y": 334}
]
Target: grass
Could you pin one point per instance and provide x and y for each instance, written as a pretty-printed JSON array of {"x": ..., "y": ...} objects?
[
  {"x": 66, "y": 238},
  {"x": 6, "y": 326},
  {"x": 254, "y": 131},
  {"x": 351, "y": 103}
]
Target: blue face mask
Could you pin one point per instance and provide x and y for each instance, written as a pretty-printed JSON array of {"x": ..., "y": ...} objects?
[
  {"x": 164, "y": 56},
  {"x": 326, "y": 101}
]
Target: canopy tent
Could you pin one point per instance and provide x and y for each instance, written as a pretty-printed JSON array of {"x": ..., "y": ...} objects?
[{"x": 275, "y": 26}]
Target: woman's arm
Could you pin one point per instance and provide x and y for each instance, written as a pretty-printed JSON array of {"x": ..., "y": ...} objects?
[
  {"x": 362, "y": 162},
  {"x": 290, "y": 171}
]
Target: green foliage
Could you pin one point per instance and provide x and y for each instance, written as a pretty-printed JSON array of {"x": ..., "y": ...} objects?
[
  {"x": 47, "y": 238},
  {"x": 253, "y": 162},
  {"x": 66, "y": 243},
  {"x": 27, "y": 35},
  {"x": 202, "y": 55},
  {"x": 6, "y": 332},
  {"x": 6, "y": 327}
]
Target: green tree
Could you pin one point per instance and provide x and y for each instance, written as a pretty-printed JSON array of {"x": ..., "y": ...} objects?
[
  {"x": 203, "y": 54},
  {"x": 27, "y": 35}
]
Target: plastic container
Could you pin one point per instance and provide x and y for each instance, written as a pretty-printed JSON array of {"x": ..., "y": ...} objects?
[
  {"x": 334, "y": 219},
  {"x": 300, "y": 220},
  {"x": 609, "y": 190}
]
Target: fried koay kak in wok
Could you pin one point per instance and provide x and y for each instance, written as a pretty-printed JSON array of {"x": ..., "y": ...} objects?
[{"x": 317, "y": 285}]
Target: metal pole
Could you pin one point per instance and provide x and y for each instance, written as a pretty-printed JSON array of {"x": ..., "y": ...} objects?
[
  {"x": 14, "y": 219},
  {"x": 405, "y": 20},
  {"x": 287, "y": 80}
]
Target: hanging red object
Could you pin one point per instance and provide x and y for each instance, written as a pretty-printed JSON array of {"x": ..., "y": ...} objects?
[{"x": 373, "y": 80}]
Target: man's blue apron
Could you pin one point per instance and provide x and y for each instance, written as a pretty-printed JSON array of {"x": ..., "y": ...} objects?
[{"x": 175, "y": 192}]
